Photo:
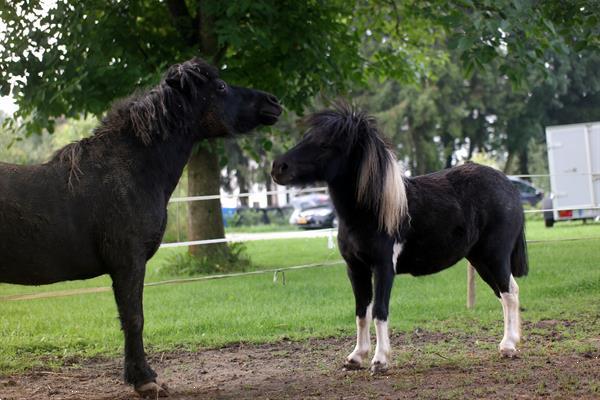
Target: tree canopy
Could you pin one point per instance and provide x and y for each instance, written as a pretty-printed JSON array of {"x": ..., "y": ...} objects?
[{"x": 77, "y": 56}]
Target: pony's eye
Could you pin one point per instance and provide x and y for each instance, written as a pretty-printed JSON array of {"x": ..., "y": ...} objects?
[
  {"x": 221, "y": 87},
  {"x": 323, "y": 145}
]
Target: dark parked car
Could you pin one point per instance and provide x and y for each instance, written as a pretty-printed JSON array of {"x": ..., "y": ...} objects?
[
  {"x": 529, "y": 193},
  {"x": 313, "y": 211}
]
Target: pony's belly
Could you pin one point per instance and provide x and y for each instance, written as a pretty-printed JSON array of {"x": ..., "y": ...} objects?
[
  {"x": 42, "y": 260},
  {"x": 419, "y": 263},
  {"x": 24, "y": 276},
  {"x": 47, "y": 272}
]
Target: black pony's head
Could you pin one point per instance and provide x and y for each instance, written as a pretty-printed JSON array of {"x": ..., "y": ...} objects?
[
  {"x": 192, "y": 99},
  {"x": 343, "y": 147},
  {"x": 335, "y": 144}
]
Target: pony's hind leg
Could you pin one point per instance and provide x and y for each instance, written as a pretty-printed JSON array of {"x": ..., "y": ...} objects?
[
  {"x": 512, "y": 319},
  {"x": 498, "y": 276},
  {"x": 360, "y": 276}
]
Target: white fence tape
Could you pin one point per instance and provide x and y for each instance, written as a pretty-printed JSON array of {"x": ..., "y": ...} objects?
[
  {"x": 233, "y": 195},
  {"x": 249, "y": 237}
]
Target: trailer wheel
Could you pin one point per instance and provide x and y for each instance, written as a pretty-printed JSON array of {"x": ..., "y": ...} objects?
[{"x": 548, "y": 215}]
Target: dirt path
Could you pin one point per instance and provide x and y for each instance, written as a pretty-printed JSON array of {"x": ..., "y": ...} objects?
[{"x": 427, "y": 365}]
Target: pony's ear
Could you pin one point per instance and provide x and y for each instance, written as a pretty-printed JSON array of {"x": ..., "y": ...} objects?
[{"x": 185, "y": 77}]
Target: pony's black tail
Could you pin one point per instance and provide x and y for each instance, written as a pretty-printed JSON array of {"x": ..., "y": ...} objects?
[{"x": 519, "y": 265}]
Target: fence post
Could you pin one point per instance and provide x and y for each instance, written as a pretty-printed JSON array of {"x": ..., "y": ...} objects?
[
  {"x": 470, "y": 286},
  {"x": 330, "y": 243}
]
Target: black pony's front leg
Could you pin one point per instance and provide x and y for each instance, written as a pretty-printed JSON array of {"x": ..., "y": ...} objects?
[
  {"x": 360, "y": 276},
  {"x": 128, "y": 286},
  {"x": 384, "y": 279}
]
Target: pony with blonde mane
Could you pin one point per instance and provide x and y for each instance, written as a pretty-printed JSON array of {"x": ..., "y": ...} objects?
[{"x": 390, "y": 224}]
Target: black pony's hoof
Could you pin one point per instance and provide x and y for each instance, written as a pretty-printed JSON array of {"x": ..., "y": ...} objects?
[
  {"x": 352, "y": 365},
  {"x": 509, "y": 353},
  {"x": 378, "y": 368},
  {"x": 152, "y": 390}
]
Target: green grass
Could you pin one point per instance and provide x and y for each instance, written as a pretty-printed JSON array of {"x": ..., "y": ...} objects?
[{"x": 564, "y": 283}]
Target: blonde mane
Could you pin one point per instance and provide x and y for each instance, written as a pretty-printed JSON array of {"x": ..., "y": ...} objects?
[{"x": 390, "y": 200}]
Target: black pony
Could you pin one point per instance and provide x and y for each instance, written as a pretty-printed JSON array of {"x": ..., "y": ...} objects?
[
  {"x": 389, "y": 224},
  {"x": 99, "y": 205}
]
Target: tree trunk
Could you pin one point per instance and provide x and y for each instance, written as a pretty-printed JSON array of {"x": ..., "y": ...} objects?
[
  {"x": 204, "y": 217},
  {"x": 448, "y": 143},
  {"x": 204, "y": 178},
  {"x": 272, "y": 200},
  {"x": 243, "y": 186},
  {"x": 524, "y": 161},
  {"x": 509, "y": 161},
  {"x": 471, "y": 150}
]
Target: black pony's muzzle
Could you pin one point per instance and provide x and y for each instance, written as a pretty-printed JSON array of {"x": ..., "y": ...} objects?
[
  {"x": 281, "y": 172},
  {"x": 270, "y": 110}
]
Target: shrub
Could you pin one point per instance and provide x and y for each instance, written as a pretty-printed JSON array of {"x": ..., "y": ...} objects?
[{"x": 184, "y": 264}]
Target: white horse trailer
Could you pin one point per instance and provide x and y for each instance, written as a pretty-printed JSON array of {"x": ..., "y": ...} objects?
[{"x": 574, "y": 163}]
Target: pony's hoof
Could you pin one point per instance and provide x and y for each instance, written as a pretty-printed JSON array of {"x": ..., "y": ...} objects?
[
  {"x": 352, "y": 365},
  {"x": 509, "y": 353},
  {"x": 152, "y": 390},
  {"x": 378, "y": 368}
]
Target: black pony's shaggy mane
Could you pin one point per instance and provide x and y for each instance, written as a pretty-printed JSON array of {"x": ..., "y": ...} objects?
[{"x": 149, "y": 115}]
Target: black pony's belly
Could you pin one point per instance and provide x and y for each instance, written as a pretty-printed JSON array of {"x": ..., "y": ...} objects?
[
  {"x": 417, "y": 269},
  {"x": 38, "y": 277},
  {"x": 43, "y": 259},
  {"x": 424, "y": 262},
  {"x": 26, "y": 272}
]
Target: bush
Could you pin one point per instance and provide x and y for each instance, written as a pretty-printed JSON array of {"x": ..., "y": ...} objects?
[
  {"x": 184, "y": 264},
  {"x": 259, "y": 216}
]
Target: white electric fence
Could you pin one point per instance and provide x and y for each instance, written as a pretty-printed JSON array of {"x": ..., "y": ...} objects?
[{"x": 233, "y": 195}]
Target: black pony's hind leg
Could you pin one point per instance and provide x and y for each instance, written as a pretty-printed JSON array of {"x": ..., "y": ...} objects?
[
  {"x": 128, "y": 286},
  {"x": 496, "y": 272},
  {"x": 361, "y": 278}
]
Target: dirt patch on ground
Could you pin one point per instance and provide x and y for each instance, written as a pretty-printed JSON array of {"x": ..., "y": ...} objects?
[{"x": 426, "y": 365}]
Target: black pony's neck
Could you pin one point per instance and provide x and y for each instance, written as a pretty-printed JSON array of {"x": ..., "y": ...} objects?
[
  {"x": 167, "y": 160},
  {"x": 156, "y": 130}
]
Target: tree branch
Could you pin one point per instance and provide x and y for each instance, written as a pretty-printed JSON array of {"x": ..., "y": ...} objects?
[
  {"x": 183, "y": 21},
  {"x": 205, "y": 28},
  {"x": 220, "y": 54}
]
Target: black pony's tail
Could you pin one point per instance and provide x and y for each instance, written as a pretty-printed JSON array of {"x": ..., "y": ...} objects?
[{"x": 519, "y": 264}]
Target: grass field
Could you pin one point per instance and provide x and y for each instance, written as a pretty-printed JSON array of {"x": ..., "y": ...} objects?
[{"x": 563, "y": 284}]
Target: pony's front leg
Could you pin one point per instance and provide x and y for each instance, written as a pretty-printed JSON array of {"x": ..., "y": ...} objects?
[
  {"x": 128, "y": 286},
  {"x": 384, "y": 279},
  {"x": 360, "y": 277}
]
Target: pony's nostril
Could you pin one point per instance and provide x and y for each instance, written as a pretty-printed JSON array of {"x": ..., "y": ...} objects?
[
  {"x": 272, "y": 99},
  {"x": 279, "y": 167}
]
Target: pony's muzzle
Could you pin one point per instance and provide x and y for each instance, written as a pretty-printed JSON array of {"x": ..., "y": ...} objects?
[
  {"x": 270, "y": 110},
  {"x": 280, "y": 172}
]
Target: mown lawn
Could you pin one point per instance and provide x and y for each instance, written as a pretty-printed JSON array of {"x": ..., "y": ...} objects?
[{"x": 564, "y": 283}]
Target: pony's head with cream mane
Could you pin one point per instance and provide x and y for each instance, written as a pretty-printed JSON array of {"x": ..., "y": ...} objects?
[{"x": 345, "y": 144}]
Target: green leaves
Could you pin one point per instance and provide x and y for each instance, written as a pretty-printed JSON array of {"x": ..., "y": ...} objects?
[{"x": 78, "y": 56}]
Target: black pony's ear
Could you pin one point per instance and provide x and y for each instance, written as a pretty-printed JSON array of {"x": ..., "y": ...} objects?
[{"x": 185, "y": 77}]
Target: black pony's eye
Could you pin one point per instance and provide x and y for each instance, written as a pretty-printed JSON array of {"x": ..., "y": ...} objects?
[{"x": 221, "y": 87}]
